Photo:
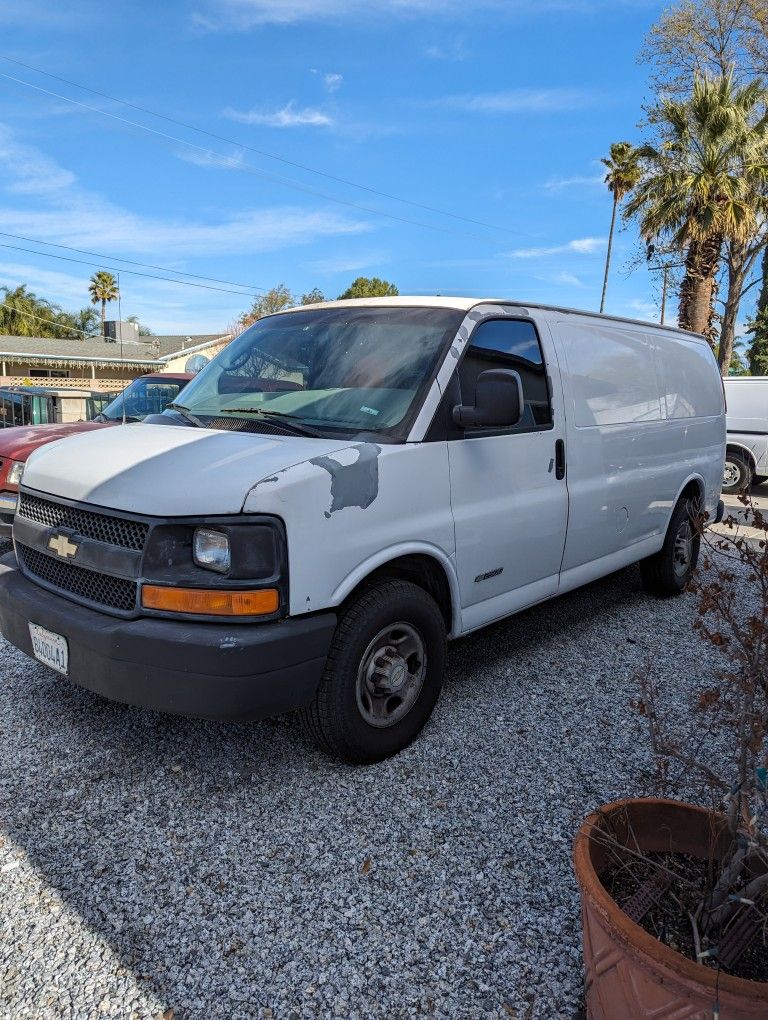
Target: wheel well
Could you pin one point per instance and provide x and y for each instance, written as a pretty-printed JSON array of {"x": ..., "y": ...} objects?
[
  {"x": 742, "y": 452},
  {"x": 694, "y": 492},
  {"x": 419, "y": 569}
]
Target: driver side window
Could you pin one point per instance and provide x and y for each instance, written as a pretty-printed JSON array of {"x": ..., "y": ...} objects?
[{"x": 511, "y": 344}]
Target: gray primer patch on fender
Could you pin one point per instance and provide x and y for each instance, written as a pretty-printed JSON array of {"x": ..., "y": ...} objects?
[{"x": 355, "y": 484}]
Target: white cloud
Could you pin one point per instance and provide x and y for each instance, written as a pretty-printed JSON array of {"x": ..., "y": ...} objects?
[
  {"x": 231, "y": 161},
  {"x": 565, "y": 279},
  {"x": 520, "y": 101},
  {"x": 241, "y": 15},
  {"x": 245, "y": 14},
  {"x": 563, "y": 183},
  {"x": 347, "y": 263},
  {"x": 454, "y": 52},
  {"x": 66, "y": 213},
  {"x": 579, "y": 246},
  {"x": 647, "y": 310},
  {"x": 333, "y": 81},
  {"x": 29, "y": 171},
  {"x": 288, "y": 116}
]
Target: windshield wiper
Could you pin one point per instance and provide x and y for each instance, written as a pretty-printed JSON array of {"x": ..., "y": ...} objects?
[
  {"x": 185, "y": 413},
  {"x": 302, "y": 430}
]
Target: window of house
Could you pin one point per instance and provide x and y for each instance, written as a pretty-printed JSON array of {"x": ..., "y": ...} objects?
[
  {"x": 48, "y": 373},
  {"x": 511, "y": 344}
]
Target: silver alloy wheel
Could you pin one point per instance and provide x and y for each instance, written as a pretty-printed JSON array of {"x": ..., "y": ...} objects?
[
  {"x": 682, "y": 554},
  {"x": 391, "y": 675},
  {"x": 731, "y": 474}
]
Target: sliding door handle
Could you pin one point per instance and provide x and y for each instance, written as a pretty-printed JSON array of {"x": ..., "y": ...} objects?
[{"x": 560, "y": 459}]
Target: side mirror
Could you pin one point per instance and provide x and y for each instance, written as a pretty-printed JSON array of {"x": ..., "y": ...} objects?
[{"x": 498, "y": 403}]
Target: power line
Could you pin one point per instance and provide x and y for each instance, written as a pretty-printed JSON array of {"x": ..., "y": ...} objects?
[
  {"x": 244, "y": 167},
  {"x": 116, "y": 269},
  {"x": 259, "y": 152},
  {"x": 131, "y": 262}
]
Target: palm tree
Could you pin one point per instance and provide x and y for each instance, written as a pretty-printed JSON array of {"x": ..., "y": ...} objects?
[
  {"x": 103, "y": 287},
  {"x": 700, "y": 187},
  {"x": 623, "y": 175},
  {"x": 23, "y": 313}
]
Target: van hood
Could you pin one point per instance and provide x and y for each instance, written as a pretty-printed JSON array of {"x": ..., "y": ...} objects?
[{"x": 166, "y": 470}]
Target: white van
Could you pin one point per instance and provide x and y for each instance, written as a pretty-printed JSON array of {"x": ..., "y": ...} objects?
[
  {"x": 347, "y": 485},
  {"x": 746, "y": 455}
]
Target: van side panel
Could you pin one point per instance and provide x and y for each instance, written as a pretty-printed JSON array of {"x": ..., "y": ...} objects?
[
  {"x": 617, "y": 440},
  {"x": 747, "y": 405},
  {"x": 693, "y": 396},
  {"x": 645, "y": 416}
]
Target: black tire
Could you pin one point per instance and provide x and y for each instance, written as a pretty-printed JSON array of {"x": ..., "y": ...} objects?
[
  {"x": 665, "y": 573},
  {"x": 349, "y": 695},
  {"x": 737, "y": 474}
]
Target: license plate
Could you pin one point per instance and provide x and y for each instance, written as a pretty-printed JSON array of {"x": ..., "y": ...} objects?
[{"x": 50, "y": 648}]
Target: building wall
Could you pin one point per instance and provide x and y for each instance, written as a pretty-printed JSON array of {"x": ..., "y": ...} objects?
[
  {"x": 79, "y": 377},
  {"x": 179, "y": 364}
]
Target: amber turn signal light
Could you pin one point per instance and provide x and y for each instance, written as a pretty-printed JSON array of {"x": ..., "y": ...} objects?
[{"x": 209, "y": 602}]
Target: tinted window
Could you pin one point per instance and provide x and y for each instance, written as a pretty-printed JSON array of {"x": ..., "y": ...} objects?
[
  {"x": 144, "y": 397},
  {"x": 509, "y": 343}
]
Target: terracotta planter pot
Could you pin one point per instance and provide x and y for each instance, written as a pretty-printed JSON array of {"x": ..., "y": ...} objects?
[{"x": 629, "y": 974}]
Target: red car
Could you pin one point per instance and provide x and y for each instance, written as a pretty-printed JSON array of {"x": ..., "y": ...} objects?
[{"x": 149, "y": 394}]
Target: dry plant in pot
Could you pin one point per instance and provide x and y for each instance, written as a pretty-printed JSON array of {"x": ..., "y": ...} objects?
[{"x": 675, "y": 896}]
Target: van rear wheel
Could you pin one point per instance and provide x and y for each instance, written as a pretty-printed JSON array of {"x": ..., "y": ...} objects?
[
  {"x": 737, "y": 473},
  {"x": 383, "y": 674},
  {"x": 670, "y": 570}
]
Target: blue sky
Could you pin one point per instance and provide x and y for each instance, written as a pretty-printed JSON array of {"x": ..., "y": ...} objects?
[{"x": 496, "y": 111}]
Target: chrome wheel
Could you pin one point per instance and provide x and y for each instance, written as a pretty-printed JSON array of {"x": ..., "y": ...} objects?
[
  {"x": 682, "y": 555},
  {"x": 731, "y": 474},
  {"x": 391, "y": 675}
]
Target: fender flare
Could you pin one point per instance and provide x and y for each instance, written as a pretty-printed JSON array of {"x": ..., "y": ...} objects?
[
  {"x": 694, "y": 477},
  {"x": 733, "y": 444},
  {"x": 394, "y": 552}
]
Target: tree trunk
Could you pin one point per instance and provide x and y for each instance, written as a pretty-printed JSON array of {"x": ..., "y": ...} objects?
[
  {"x": 737, "y": 271},
  {"x": 697, "y": 291},
  {"x": 104, "y": 318},
  {"x": 608, "y": 253}
]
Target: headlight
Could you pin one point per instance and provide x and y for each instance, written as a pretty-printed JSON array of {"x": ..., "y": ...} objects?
[
  {"x": 15, "y": 473},
  {"x": 210, "y": 549}
]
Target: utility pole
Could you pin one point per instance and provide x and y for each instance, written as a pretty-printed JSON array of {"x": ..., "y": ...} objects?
[{"x": 663, "y": 268}]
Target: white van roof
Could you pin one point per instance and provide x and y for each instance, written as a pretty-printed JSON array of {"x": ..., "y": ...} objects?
[{"x": 466, "y": 303}]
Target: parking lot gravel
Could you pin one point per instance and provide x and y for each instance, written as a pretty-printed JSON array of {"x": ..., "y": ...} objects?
[{"x": 152, "y": 866}]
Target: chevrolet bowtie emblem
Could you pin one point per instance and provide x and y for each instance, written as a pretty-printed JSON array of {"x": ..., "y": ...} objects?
[{"x": 62, "y": 546}]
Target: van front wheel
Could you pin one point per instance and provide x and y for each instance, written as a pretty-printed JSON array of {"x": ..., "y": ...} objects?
[
  {"x": 383, "y": 675},
  {"x": 669, "y": 570}
]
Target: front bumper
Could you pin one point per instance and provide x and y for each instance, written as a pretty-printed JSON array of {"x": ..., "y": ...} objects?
[
  {"x": 208, "y": 670},
  {"x": 8, "y": 502}
]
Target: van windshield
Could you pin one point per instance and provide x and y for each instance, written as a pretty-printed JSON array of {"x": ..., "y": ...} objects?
[{"x": 328, "y": 370}]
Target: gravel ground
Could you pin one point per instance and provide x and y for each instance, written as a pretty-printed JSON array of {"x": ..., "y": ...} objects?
[{"x": 226, "y": 872}]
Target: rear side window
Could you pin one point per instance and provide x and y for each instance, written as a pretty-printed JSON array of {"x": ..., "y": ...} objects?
[{"x": 513, "y": 344}]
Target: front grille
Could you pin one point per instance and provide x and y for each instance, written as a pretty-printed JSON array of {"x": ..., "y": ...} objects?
[
  {"x": 112, "y": 592},
  {"x": 101, "y": 527}
]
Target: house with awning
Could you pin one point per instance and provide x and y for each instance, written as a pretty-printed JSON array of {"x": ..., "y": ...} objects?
[{"x": 99, "y": 363}]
